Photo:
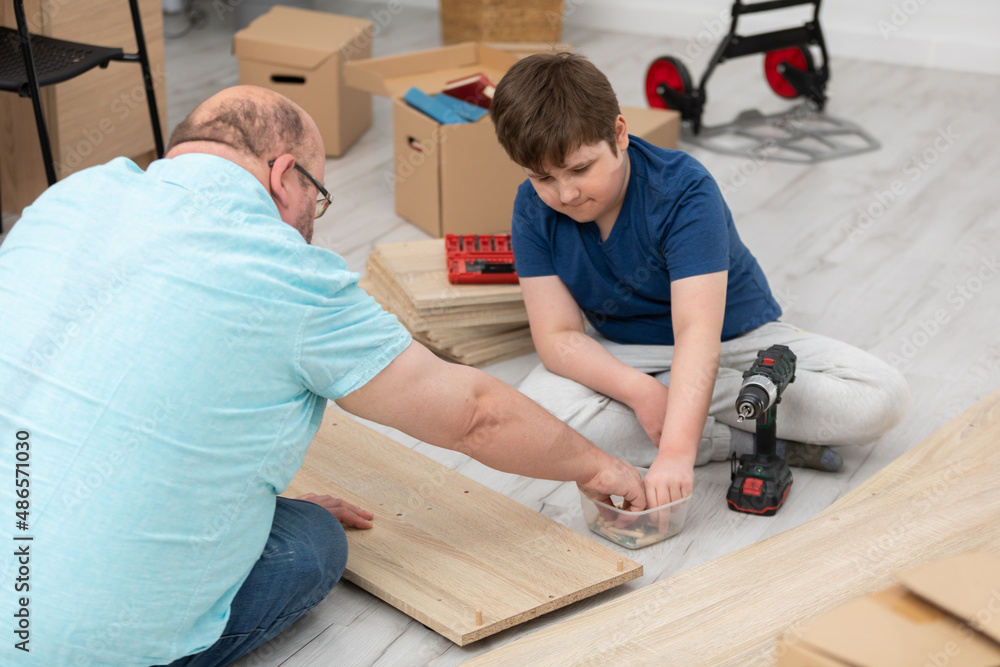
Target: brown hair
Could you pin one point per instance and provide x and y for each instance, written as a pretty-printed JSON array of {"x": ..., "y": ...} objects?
[{"x": 548, "y": 105}]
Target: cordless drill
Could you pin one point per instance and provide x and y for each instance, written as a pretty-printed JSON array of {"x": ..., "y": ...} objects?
[{"x": 760, "y": 481}]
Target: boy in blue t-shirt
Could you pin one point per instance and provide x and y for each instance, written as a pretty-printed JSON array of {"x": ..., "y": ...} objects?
[{"x": 641, "y": 241}]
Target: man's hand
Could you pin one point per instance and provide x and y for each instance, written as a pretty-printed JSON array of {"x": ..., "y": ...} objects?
[
  {"x": 617, "y": 478},
  {"x": 346, "y": 513},
  {"x": 670, "y": 478}
]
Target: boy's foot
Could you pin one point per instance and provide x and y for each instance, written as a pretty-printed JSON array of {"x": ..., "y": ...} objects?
[{"x": 818, "y": 457}]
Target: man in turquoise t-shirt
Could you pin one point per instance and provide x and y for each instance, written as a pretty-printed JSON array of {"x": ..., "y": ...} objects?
[{"x": 170, "y": 340}]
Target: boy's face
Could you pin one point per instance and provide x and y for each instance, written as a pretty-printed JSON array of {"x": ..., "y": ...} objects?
[{"x": 591, "y": 185}]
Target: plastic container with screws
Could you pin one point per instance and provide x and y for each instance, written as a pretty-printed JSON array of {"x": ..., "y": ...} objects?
[{"x": 634, "y": 530}]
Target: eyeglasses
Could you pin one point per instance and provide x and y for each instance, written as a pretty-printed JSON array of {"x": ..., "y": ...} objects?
[{"x": 325, "y": 198}]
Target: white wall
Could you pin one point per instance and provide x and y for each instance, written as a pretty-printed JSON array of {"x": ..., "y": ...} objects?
[{"x": 948, "y": 34}]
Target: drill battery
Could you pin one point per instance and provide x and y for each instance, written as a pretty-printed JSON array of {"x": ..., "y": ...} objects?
[{"x": 760, "y": 484}]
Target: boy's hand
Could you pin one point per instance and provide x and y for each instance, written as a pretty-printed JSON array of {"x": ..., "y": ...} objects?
[{"x": 669, "y": 478}]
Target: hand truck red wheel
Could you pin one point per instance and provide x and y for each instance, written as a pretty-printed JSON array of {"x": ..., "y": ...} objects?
[
  {"x": 782, "y": 67},
  {"x": 673, "y": 76}
]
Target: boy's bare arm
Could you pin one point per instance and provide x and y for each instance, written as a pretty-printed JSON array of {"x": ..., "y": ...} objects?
[
  {"x": 698, "y": 307},
  {"x": 464, "y": 409},
  {"x": 565, "y": 349}
]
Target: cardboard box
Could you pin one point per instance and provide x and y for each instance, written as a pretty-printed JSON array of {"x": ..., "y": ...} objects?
[
  {"x": 300, "y": 53},
  {"x": 506, "y": 21},
  {"x": 522, "y": 49},
  {"x": 660, "y": 127},
  {"x": 448, "y": 179},
  {"x": 456, "y": 179},
  {"x": 946, "y": 612}
]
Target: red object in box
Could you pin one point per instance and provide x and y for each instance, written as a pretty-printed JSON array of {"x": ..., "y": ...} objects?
[
  {"x": 476, "y": 89},
  {"x": 479, "y": 258}
]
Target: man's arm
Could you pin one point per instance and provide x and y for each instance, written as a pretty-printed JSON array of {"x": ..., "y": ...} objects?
[
  {"x": 698, "y": 307},
  {"x": 464, "y": 409},
  {"x": 565, "y": 349}
]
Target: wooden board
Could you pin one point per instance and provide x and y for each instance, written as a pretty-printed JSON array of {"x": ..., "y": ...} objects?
[
  {"x": 422, "y": 263},
  {"x": 483, "y": 351},
  {"x": 470, "y": 324},
  {"x": 473, "y": 338},
  {"x": 444, "y": 546},
  {"x": 444, "y": 318},
  {"x": 939, "y": 499}
]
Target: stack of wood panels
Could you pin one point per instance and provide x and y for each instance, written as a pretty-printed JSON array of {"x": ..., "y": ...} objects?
[{"x": 471, "y": 324}]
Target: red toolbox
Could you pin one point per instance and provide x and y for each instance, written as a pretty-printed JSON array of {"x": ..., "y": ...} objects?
[{"x": 479, "y": 258}]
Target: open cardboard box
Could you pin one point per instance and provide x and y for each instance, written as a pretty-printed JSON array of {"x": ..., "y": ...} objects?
[
  {"x": 448, "y": 179},
  {"x": 946, "y": 612},
  {"x": 456, "y": 179}
]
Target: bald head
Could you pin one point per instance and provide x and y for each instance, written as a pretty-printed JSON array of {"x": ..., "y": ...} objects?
[{"x": 253, "y": 122}]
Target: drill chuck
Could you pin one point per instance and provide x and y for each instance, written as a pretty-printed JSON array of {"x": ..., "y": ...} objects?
[{"x": 756, "y": 396}]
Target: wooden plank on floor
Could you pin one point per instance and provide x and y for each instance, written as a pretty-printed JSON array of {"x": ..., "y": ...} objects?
[
  {"x": 444, "y": 546},
  {"x": 939, "y": 499}
]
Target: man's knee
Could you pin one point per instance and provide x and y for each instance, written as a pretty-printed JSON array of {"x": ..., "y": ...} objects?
[
  {"x": 329, "y": 549},
  {"x": 315, "y": 547}
]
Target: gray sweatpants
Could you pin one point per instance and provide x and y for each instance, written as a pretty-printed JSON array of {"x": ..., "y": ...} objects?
[{"x": 840, "y": 396}]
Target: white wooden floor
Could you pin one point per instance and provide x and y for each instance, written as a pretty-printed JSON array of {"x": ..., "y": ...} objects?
[{"x": 916, "y": 282}]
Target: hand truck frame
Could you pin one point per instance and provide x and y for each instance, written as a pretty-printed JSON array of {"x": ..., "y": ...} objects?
[{"x": 805, "y": 133}]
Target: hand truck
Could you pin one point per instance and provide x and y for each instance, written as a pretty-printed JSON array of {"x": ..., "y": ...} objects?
[{"x": 804, "y": 134}]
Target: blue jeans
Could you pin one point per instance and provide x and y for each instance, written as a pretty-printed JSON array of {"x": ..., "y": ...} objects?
[{"x": 303, "y": 559}]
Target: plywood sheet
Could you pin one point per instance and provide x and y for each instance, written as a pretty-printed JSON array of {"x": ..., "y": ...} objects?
[
  {"x": 967, "y": 586},
  {"x": 470, "y": 324},
  {"x": 444, "y": 546},
  {"x": 422, "y": 267},
  {"x": 939, "y": 499}
]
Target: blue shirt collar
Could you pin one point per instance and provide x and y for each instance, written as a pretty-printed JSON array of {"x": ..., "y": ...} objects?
[{"x": 220, "y": 181}]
